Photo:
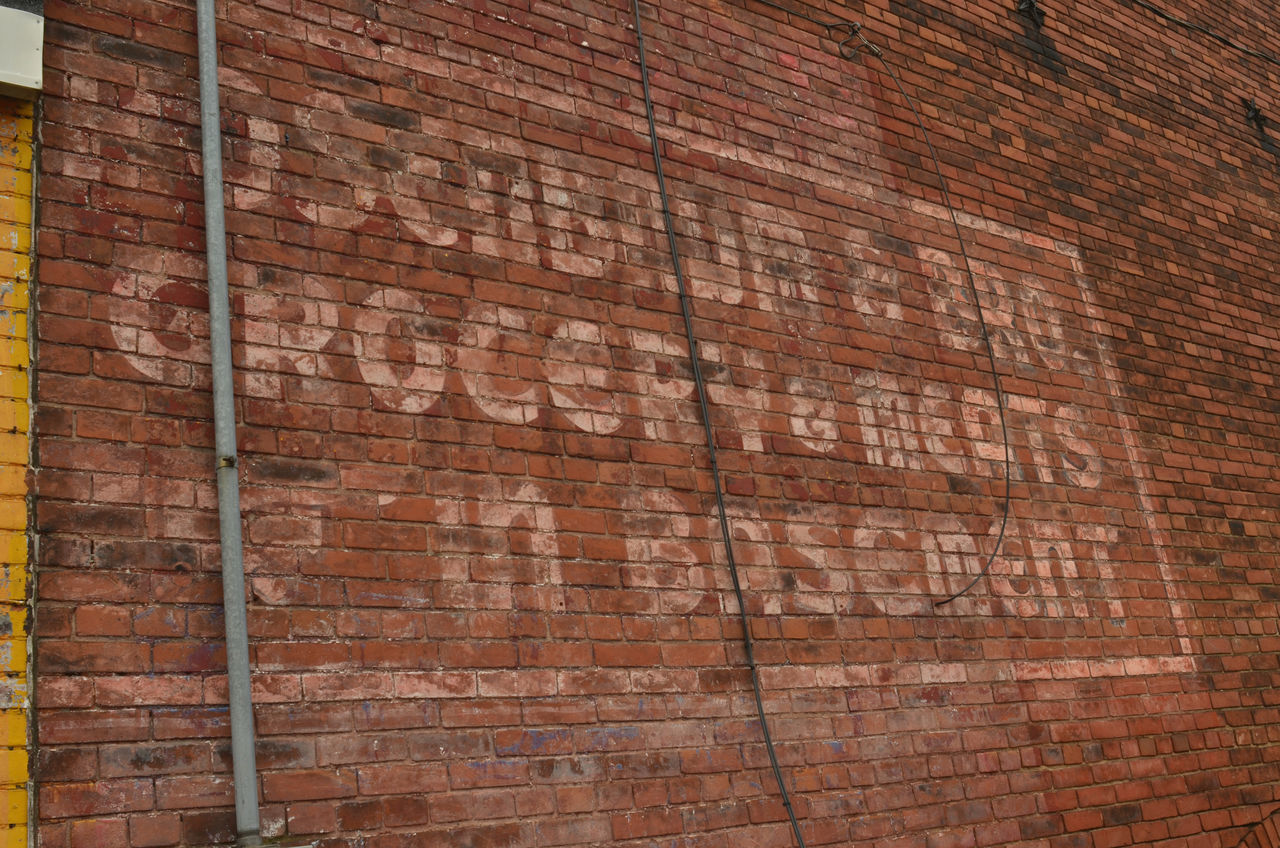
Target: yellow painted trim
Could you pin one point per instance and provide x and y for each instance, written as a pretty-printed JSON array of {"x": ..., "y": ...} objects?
[
  {"x": 13, "y": 806},
  {"x": 17, "y": 153}
]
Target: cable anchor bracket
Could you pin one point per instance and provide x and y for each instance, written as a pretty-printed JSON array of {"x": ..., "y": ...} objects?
[
  {"x": 849, "y": 39},
  {"x": 1032, "y": 10},
  {"x": 1253, "y": 113}
]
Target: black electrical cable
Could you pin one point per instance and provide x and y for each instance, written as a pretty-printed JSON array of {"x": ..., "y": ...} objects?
[
  {"x": 856, "y": 29},
  {"x": 710, "y": 435},
  {"x": 1229, "y": 42}
]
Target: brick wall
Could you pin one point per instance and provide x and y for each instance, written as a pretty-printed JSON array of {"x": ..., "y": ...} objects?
[{"x": 489, "y": 605}]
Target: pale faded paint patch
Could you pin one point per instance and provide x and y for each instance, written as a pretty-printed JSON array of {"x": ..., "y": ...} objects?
[
  {"x": 1085, "y": 669},
  {"x": 914, "y": 430},
  {"x": 1140, "y": 468}
]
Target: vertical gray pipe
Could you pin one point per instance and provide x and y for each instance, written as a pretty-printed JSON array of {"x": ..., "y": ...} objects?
[{"x": 243, "y": 765}]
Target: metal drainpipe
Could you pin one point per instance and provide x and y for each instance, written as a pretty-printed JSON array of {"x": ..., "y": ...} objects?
[{"x": 243, "y": 764}]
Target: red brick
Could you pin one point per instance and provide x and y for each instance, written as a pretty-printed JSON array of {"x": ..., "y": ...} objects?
[
  {"x": 155, "y": 831},
  {"x": 59, "y": 727},
  {"x": 78, "y": 800},
  {"x": 399, "y": 779},
  {"x": 309, "y": 785},
  {"x": 487, "y": 773},
  {"x": 139, "y": 691},
  {"x": 488, "y": 600},
  {"x": 99, "y": 833},
  {"x": 193, "y": 791},
  {"x": 137, "y": 760},
  {"x": 306, "y": 819}
]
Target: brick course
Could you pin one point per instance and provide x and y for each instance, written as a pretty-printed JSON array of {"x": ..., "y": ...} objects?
[{"x": 488, "y": 598}]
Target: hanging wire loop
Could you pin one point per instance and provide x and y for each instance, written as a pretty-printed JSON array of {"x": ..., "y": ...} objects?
[
  {"x": 851, "y": 31},
  {"x": 852, "y": 39}
]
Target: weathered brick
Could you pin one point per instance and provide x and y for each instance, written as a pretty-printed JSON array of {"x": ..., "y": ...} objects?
[
  {"x": 488, "y": 596},
  {"x": 106, "y": 833},
  {"x": 307, "y": 785},
  {"x": 104, "y": 797}
]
